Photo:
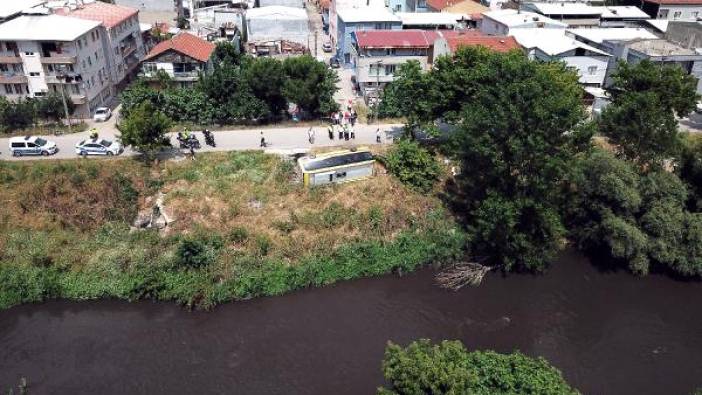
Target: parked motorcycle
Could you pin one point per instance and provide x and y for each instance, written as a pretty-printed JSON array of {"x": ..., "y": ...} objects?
[{"x": 209, "y": 138}]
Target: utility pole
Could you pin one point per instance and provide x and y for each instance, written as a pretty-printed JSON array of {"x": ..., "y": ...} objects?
[
  {"x": 377, "y": 90},
  {"x": 316, "y": 43}
]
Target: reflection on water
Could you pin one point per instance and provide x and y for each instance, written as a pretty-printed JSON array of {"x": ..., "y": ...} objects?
[{"x": 609, "y": 333}]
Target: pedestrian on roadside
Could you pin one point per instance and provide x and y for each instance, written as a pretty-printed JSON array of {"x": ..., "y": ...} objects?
[
  {"x": 192, "y": 151},
  {"x": 341, "y": 132},
  {"x": 330, "y": 130},
  {"x": 263, "y": 140},
  {"x": 346, "y": 132},
  {"x": 354, "y": 116},
  {"x": 377, "y": 136},
  {"x": 310, "y": 135},
  {"x": 353, "y": 132},
  {"x": 93, "y": 134}
]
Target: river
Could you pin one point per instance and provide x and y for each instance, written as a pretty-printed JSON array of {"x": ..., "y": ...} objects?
[{"x": 610, "y": 333}]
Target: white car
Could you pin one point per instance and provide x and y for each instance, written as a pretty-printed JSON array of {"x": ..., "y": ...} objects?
[
  {"x": 98, "y": 147},
  {"x": 32, "y": 145},
  {"x": 102, "y": 114},
  {"x": 698, "y": 108}
]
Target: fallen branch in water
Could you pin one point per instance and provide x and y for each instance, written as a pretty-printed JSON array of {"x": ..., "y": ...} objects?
[{"x": 462, "y": 274}]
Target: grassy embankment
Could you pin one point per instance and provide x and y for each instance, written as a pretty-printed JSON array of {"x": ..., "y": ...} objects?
[{"x": 242, "y": 229}]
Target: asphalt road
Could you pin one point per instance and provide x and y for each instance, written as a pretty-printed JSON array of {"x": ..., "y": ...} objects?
[{"x": 278, "y": 140}]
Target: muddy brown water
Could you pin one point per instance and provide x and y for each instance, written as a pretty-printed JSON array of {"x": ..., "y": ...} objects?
[{"x": 610, "y": 333}]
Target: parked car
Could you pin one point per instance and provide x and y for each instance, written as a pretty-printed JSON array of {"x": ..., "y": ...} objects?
[
  {"x": 327, "y": 47},
  {"x": 32, "y": 145},
  {"x": 98, "y": 147},
  {"x": 334, "y": 63},
  {"x": 102, "y": 114},
  {"x": 698, "y": 107}
]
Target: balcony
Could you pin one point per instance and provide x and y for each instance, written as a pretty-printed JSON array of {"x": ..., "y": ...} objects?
[
  {"x": 12, "y": 78},
  {"x": 128, "y": 50},
  {"x": 11, "y": 59},
  {"x": 53, "y": 79},
  {"x": 186, "y": 75},
  {"x": 55, "y": 58}
]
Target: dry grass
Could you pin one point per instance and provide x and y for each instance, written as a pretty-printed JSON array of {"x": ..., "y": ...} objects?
[{"x": 254, "y": 192}]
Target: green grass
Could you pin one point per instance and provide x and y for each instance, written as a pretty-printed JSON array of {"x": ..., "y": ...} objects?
[{"x": 225, "y": 250}]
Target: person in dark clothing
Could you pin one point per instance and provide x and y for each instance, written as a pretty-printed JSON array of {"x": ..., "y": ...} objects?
[{"x": 263, "y": 140}]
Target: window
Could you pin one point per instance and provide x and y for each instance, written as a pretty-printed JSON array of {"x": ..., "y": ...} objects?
[
  {"x": 662, "y": 14},
  {"x": 390, "y": 69},
  {"x": 90, "y": 61},
  {"x": 83, "y": 63},
  {"x": 149, "y": 67},
  {"x": 3, "y": 67},
  {"x": 677, "y": 14},
  {"x": 8, "y": 89},
  {"x": 18, "y": 145},
  {"x": 28, "y": 53},
  {"x": 39, "y": 94},
  {"x": 18, "y": 89},
  {"x": 34, "y": 74},
  {"x": 695, "y": 14},
  {"x": 592, "y": 70},
  {"x": 80, "y": 45}
]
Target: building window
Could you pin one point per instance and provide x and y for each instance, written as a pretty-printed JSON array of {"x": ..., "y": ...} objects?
[
  {"x": 592, "y": 70},
  {"x": 695, "y": 14},
  {"x": 34, "y": 74},
  {"x": 662, "y": 14},
  {"x": 90, "y": 61},
  {"x": 677, "y": 14},
  {"x": 80, "y": 45},
  {"x": 29, "y": 53},
  {"x": 38, "y": 94},
  {"x": 8, "y": 89},
  {"x": 3, "y": 67},
  {"x": 390, "y": 69}
]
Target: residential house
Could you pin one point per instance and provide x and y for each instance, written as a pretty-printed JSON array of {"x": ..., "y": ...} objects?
[
  {"x": 351, "y": 20},
  {"x": 41, "y": 54},
  {"x": 183, "y": 58},
  {"x": 377, "y": 54},
  {"x": 12, "y": 8},
  {"x": 553, "y": 45},
  {"x": 673, "y": 10},
  {"x": 623, "y": 16},
  {"x": 124, "y": 38},
  {"x": 277, "y": 23},
  {"x": 336, "y": 5},
  {"x": 503, "y": 22}
]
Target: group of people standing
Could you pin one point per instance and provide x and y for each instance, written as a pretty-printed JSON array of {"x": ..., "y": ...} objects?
[{"x": 343, "y": 124}]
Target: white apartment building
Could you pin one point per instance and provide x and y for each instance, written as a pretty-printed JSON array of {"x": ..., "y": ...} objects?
[
  {"x": 51, "y": 53},
  {"x": 504, "y": 22},
  {"x": 124, "y": 38}
]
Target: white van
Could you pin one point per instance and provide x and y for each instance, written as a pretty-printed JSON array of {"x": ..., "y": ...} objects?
[{"x": 32, "y": 145}]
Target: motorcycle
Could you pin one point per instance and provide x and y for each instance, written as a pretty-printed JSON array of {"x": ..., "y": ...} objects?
[{"x": 209, "y": 138}]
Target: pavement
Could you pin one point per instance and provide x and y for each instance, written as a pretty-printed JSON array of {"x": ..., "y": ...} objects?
[
  {"x": 279, "y": 140},
  {"x": 692, "y": 123}
]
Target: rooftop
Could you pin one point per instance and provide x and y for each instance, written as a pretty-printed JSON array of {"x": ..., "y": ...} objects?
[
  {"x": 366, "y": 14},
  {"x": 393, "y": 39},
  {"x": 659, "y": 24},
  {"x": 280, "y": 12},
  {"x": 514, "y": 18},
  {"x": 45, "y": 28},
  {"x": 565, "y": 9},
  {"x": 624, "y": 11},
  {"x": 429, "y": 18},
  {"x": 598, "y": 35},
  {"x": 466, "y": 6},
  {"x": 551, "y": 41},
  {"x": 9, "y": 8},
  {"x": 186, "y": 44},
  {"x": 495, "y": 43},
  {"x": 675, "y": 2},
  {"x": 110, "y": 15},
  {"x": 661, "y": 48}
]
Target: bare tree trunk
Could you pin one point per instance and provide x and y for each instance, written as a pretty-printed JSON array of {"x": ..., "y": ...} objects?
[{"x": 462, "y": 274}]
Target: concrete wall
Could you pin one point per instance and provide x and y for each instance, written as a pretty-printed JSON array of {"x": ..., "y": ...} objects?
[
  {"x": 685, "y": 34},
  {"x": 679, "y": 12}
]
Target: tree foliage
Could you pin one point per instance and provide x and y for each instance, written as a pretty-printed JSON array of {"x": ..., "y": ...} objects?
[
  {"x": 145, "y": 128},
  {"x": 640, "y": 219},
  {"x": 641, "y": 120},
  {"x": 25, "y": 113},
  {"x": 242, "y": 89},
  {"x": 448, "y": 368},
  {"x": 413, "y": 165}
]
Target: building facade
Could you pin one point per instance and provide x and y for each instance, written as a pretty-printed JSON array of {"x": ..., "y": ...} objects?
[
  {"x": 673, "y": 10},
  {"x": 353, "y": 20},
  {"x": 52, "y": 53},
  {"x": 182, "y": 58}
]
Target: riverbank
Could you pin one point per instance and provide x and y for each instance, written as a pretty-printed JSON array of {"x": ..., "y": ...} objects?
[
  {"x": 608, "y": 332},
  {"x": 239, "y": 225}
]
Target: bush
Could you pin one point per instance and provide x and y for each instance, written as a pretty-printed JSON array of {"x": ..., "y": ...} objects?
[
  {"x": 197, "y": 252},
  {"x": 413, "y": 165},
  {"x": 448, "y": 368}
]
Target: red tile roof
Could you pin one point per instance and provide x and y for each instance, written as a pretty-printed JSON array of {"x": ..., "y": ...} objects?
[
  {"x": 441, "y": 4},
  {"x": 186, "y": 44},
  {"x": 675, "y": 2},
  {"x": 110, "y": 15},
  {"x": 495, "y": 43},
  {"x": 393, "y": 39}
]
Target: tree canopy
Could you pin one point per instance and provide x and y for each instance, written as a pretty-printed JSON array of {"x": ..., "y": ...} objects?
[
  {"x": 413, "y": 165},
  {"x": 448, "y": 368},
  {"x": 145, "y": 129},
  {"x": 641, "y": 120}
]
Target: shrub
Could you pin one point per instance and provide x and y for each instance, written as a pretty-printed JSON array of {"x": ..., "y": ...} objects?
[
  {"x": 197, "y": 252},
  {"x": 413, "y": 165}
]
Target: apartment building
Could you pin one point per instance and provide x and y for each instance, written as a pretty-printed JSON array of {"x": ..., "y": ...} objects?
[
  {"x": 124, "y": 39},
  {"x": 41, "y": 54}
]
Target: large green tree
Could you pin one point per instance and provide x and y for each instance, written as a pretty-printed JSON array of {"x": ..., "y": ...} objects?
[
  {"x": 518, "y": 125},
  {"x": 448, "y": 368},
  {"x": 310, "y": 84},
  {"x": 413, "y": 165},
  {"x": 145, "y": 129},
  {"x": 641, "y": 120}
]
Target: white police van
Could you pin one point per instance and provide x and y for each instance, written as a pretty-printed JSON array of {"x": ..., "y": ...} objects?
[{"x": 32, "y": 145}]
